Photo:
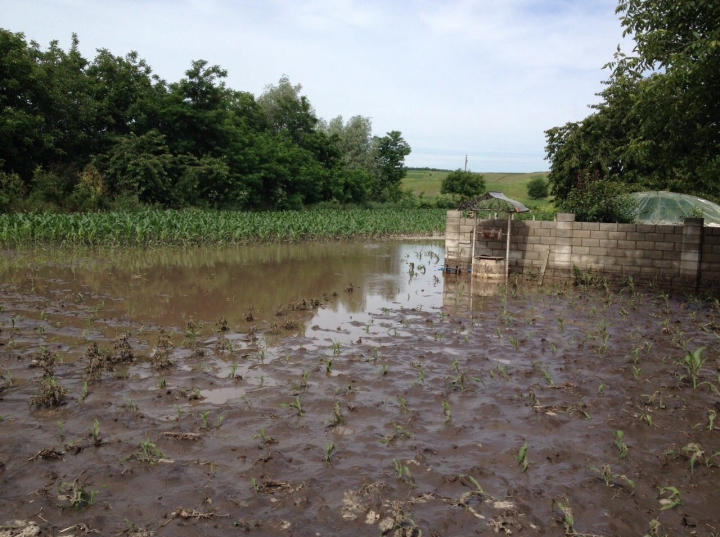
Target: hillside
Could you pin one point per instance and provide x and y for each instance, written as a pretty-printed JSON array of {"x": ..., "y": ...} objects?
[{"x": 513, "y": 185}]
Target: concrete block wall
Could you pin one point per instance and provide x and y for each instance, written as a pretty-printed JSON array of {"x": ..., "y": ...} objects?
[{"x": 672, "y": 256}]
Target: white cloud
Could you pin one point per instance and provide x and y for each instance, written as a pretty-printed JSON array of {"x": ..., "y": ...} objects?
[{"x": 477, "y": 77}]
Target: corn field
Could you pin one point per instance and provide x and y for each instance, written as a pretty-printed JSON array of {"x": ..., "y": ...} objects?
[{"x": 185, "y": 228}]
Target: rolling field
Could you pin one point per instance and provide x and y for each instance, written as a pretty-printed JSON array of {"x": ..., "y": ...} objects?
[{"x": 513, "y": 185}]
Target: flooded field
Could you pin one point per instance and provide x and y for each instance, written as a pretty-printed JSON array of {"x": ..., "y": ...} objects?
[{"x": 348, "y": 389}]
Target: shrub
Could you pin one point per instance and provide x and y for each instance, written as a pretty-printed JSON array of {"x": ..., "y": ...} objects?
[
  {"x": 537, "y": 188},
  {"x": 596, "y": 199},
  {"x": 467, "y": 184}
]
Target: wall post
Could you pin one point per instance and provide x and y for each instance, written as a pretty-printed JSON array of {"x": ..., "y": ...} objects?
[{"x": 690, "y": 256}]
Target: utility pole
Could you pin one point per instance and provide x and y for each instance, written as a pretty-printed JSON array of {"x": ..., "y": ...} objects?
[{"x": 465, "y": 162}]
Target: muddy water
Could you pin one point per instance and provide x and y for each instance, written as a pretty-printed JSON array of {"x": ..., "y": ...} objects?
[{"x": 396, "y": 408}]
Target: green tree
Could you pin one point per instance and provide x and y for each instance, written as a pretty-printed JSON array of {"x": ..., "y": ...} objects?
[
  {"x": 658, "y": 125},
  {"x": 389, "y": 153},
  {"x": 537, "y": 188},
  {"x": 467, "y": 184},
  {"x": 596, "y": 199}
]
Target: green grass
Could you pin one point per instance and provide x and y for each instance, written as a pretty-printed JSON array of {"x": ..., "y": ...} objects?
[
  {"x": 513, "y": 185},
  {"x": 186, "y": 228}
]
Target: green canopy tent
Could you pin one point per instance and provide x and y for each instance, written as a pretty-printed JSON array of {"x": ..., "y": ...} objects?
[{"x": 670, "y": 208}]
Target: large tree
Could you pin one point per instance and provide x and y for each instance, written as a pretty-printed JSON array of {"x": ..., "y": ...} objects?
[
  {"x": 658, "y": 125},
  {"x": 390, "y": 152}
]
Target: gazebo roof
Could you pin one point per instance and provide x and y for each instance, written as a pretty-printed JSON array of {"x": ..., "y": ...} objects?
[{"x": 494, "y": 201}]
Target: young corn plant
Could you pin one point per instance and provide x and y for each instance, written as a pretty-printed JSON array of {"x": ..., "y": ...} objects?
[
  {"x": 297, "y": 405},
  {"x": 672, "y": 498},
  {"x": 264, "y": 438},
  {"x": 568, "y": 519},
  {"x": 403, "y": 472},
  {"x": 329, "y": 452},
  {"x": 448, "y": 415},
  {"x": 337, "y": 418},
  {"x": 693, "y": 362},
  {"x": 522, "y": 458},
  {"x": 620, "y": 443}
]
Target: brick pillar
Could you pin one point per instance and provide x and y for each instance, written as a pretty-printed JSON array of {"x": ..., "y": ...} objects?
[{"x": 691, "y": 250}]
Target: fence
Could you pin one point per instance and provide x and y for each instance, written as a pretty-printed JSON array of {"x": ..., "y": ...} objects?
[{"x": 686, "y": 256}]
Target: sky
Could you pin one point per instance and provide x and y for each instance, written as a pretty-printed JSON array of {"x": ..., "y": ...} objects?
[{"x": 482, "y": 78}]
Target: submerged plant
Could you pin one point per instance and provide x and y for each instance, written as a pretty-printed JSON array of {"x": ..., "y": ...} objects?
[
  {"x": 522, "y": 459},
  {"x": 693, "y": 361},
  {"x": 329, "y": 452},
  {"x": 446, "y": 408},
  {"x": 620, "y": 443},
  {"x": 296, "y": 405},
  {"x": 51, "y": 394}
]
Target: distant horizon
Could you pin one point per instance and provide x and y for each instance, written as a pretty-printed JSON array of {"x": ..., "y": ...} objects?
[{"x": 433, "y": 169}]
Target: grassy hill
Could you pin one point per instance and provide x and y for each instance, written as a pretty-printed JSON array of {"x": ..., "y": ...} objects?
[{"x": 513, "y": 185}]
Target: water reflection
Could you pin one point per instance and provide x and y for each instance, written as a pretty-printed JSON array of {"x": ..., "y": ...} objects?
[{"x": 168, "y": 286}]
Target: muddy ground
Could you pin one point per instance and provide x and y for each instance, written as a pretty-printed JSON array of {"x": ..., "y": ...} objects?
[{"x": 552, "y": 411}]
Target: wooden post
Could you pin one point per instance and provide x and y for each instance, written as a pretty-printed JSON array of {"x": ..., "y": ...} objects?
[
  {"x": 507, "y": 248},
  {"x": 474, "y": 238}
]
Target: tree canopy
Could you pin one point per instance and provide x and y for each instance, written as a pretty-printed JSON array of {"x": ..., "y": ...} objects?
[
  {"x": 658, "y": 125},
  {"x": 82, "y": 134},
  {"x": 464, "y": 183}
]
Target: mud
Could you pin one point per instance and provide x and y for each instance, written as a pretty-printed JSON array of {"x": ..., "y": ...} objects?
[{"x": 432, "y": 412}]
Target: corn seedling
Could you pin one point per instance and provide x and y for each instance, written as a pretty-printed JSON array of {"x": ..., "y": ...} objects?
[
  {"x": 383, "y": 370},
  {"x": 672, "y": 498},
  {"x": 95, "y": 433},
  {"x": 398, "y": 432},
  {"x": 178, "y": 413},
  {"x": 561, "y": 322},
  {"x": 76, "y": 495},
  {"x": 337, "y": 418},
  {"x": 162, "y": 384},
  {"x": 446, "y": 408},
  {"x": 693, "y": 362},
  {"x": 655, "y": 529},
  {"x": 514, "y": 343},
  {"x": 620, "y": 443},
  {"x": 295, "y": 404},
  {"x": 636, "y": 372},
  {"x": 568, "y": 519},
  {"x": 712, "y": 416},
  {"x": 328, "y": 367},
  {"x": 329, "y": 452},
  {"x": 403, "y": 472},
  {"x": 420, "y": 379},
  {"x": 303, "y": 381},
  {"x": 219, "y": 421},
  {"x": 205, "y": 417},
  {"x": 254, "y": 485},
  {"x": 264, "y": 438},
  {"x": 149, "y": 452},
  {"x": 606, "y": 472},
  {"x": 402, "y": 403},
  {"x": 522, "y": 459},
  {"x": 601, "y": 388},
  {"x": 233, "y": 370},
  {"x": 84, "y": 393},
  {"x": 548, "y": 378}
]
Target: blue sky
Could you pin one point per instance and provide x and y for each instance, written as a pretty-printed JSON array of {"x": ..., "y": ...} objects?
[{"x": 482, "y": 78}]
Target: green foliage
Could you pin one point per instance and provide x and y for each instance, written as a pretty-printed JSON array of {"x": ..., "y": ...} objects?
[
  {"x": 537, "y": 188},
  {"x": 594, "y": 199},
  {"x": 657, "y": 125},
  {"x": 89, "y": 135},
  {"x": 467, "y": 184},
  {"x": 389, "y": 153}
]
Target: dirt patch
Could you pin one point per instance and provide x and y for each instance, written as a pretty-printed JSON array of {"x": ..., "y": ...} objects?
[{"x": 540, "y": 412}]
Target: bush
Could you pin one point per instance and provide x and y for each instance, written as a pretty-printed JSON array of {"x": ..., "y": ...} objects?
[
  {"x": 466, "y": 184},
  {"x": 596, "y": 199},
  {"x": 449, "y": 201},
  {"x": 537, "y": 188}
]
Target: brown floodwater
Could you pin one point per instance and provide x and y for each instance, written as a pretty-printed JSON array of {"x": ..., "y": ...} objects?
[{"x": 369, "y": 394}]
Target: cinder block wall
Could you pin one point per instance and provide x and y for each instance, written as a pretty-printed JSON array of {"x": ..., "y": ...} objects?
[{"x": 672, "y": 256}]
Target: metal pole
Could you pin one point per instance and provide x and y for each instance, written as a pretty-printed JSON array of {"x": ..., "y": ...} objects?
[{"x": 507, "y": 248}]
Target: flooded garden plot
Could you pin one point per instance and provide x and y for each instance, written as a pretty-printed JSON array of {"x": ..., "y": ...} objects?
[{"x": 348, "y": 389}]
